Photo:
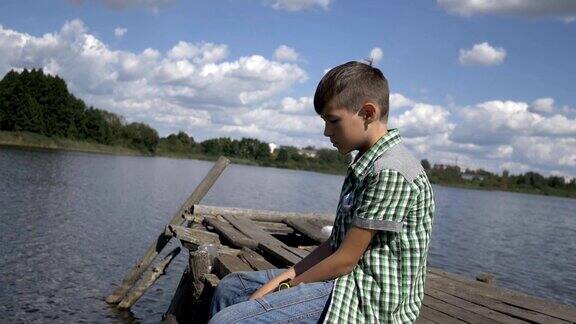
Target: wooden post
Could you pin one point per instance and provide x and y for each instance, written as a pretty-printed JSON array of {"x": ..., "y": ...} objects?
[
  {"x": 163, "y": 239},
  {"x": 148, "y": 279},
  {"x": 486, "y": 278},
  {"x": 200, "y": 264}
]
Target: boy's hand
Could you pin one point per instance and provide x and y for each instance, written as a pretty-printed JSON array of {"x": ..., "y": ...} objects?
[{"x": 263, "y": 291}]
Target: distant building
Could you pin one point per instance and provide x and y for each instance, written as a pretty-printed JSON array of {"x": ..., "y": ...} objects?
[
  {"x": 272, "y": 147},
  {"x": 308, "y": 153},
  {"x": 472, "y": 176}
]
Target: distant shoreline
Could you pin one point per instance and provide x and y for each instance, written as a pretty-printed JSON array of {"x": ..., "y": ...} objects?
[{"x": 37, "y": 141}]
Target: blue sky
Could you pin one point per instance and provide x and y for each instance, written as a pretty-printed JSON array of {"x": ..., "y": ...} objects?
[{"x": 488, "y": 83}]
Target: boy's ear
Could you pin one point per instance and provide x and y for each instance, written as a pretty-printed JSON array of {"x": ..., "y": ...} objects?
[{"x": 369, "y": 111}]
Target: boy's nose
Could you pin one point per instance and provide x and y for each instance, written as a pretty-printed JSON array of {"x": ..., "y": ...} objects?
[{"x": 327, "y": 133}]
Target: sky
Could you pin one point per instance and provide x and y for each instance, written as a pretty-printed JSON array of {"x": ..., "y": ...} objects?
[{"x": 479, "y": 83}]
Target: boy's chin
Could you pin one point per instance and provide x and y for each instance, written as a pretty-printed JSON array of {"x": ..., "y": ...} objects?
[{"x": 343, "y": 150}]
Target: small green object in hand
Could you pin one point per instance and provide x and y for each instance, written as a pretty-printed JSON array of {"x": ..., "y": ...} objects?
[{"x": 284, "y": 285}]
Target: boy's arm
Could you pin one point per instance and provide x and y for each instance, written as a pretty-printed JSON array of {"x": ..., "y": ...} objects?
[
  {"x": 340, "y": 262},
  {"x": 316, "y": 256}
]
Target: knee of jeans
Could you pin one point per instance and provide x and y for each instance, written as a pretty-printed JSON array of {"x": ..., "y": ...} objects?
[{"x": 231, "y": 282}]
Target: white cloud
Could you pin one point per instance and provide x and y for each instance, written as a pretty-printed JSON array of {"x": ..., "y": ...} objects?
[
  {"x": 302, "y": 105},
  {"x": 482, "y": 54},
  {"x": 120, "y": 32},
  {"x": 543, "y": 105},
  {"x": 189, "y": 85},
  {"x": 297, "y": 5},
  {"x": 376, "y": 55},
  {"x": 529, "y": 8},
  {"x": 154, "y": 5},
  {"x": 502, "y": 151},
  {"x": 495, "y": 122},
  {"x": 397, "y": 101},
  {"x": 423, "y": 120},
  {"x": 494, "y": 135},
  {"x": 285, "y": 53}
]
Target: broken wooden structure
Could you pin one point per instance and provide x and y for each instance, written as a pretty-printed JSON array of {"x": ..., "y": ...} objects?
[{"x": 221, "y": 240}]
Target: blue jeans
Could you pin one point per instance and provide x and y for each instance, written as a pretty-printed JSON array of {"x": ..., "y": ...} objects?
[{"x": 304, "y": 303}]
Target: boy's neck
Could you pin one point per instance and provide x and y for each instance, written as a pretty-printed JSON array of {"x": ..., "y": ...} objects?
[{"x": 372, "y": 136}]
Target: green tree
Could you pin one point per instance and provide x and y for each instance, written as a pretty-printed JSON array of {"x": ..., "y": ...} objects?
[{"x": 141, "y": 137}]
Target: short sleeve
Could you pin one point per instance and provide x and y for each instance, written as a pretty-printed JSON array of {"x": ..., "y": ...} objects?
[{"x": 384, "y": 203}]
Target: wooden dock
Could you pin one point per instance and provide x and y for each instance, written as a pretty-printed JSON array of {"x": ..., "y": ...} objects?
[
  {"x": 221, "y": 240},
  {"x": 257, "y": 240}
]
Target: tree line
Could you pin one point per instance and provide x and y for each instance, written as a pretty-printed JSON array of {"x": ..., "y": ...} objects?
[
  {"x": 40, "y": 103},
  {"x": 532, "y": 182}
]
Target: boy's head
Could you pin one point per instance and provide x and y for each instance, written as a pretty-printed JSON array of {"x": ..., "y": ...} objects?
[{"x": 353, "y": 100}]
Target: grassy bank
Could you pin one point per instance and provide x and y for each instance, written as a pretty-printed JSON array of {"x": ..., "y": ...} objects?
[{"x": 33, "y": 140}]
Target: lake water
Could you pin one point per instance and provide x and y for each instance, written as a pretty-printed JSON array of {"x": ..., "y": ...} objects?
[{"x": 72, "y": 224}]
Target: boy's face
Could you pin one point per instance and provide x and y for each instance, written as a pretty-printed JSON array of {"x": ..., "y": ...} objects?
[{"x": 346, "y": 129}]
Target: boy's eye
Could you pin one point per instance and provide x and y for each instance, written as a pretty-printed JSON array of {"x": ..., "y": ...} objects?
[{"x": 333, "y": 121}]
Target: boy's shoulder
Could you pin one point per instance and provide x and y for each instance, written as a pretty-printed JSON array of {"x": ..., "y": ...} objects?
[{"x": 398, "y": 158}]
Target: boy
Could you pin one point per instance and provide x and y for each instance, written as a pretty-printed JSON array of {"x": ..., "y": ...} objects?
[{"x": 372, "y": 268}]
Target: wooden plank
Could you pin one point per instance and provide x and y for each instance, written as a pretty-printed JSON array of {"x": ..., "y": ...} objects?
[
  {"x": 308, "y": 248},
  {"x": 283, "y": 255},
  {"x": 148, "y": 279},
  {"x": 320, "y": 222},
  {"x": 226, "y": 264},
  {"x": 307, "y": 228},
  {"x": 194, "y": 236},
  {"x": 478, "y": 296},
  {"x": 438, "y": 317},
  {"x": 424, "y": 320},
  {"x": 255, "y": 260},
  {"x": 299, "y": 252},
  {"x": 455, "y": 311},
  {"x": 478, "y": 309},
  {"x": 255, "y": 214},
  {"x": 275, "y": 227},
  {"x": 231, "y": 234},
  {"x": 266, "y": 242},
  {"x": 160, "y": 242},
  {"x": 514, "y": 298}
]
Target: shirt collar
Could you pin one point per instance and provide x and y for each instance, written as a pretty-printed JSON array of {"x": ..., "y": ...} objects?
[{"x": 385, "y": 142}]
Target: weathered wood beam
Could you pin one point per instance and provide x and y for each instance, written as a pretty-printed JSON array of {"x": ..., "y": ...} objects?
[
  {"x": 266, "y": 242},
  {"x": 194, "y": 236},
  {"x": 231, "y": 234},
  {"x": 225, "y": 264},
  {"x": 160, "y": 242},
  {"x": 275, "y": 227},
  {"x": 312, "y": 230},
  {"x": 147, "y": 280},
  {"x": 255, "y": 260},
  {"x": 255, "y": 214}
]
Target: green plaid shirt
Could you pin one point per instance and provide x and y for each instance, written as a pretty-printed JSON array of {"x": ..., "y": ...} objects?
[{"x": 385, "y": 189}]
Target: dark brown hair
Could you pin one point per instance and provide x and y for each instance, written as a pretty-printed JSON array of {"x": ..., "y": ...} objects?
[{"x": 350, "y": 85}]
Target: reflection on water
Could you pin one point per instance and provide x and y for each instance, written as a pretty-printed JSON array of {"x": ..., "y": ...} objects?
[{"x": 71, "y": 225}]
